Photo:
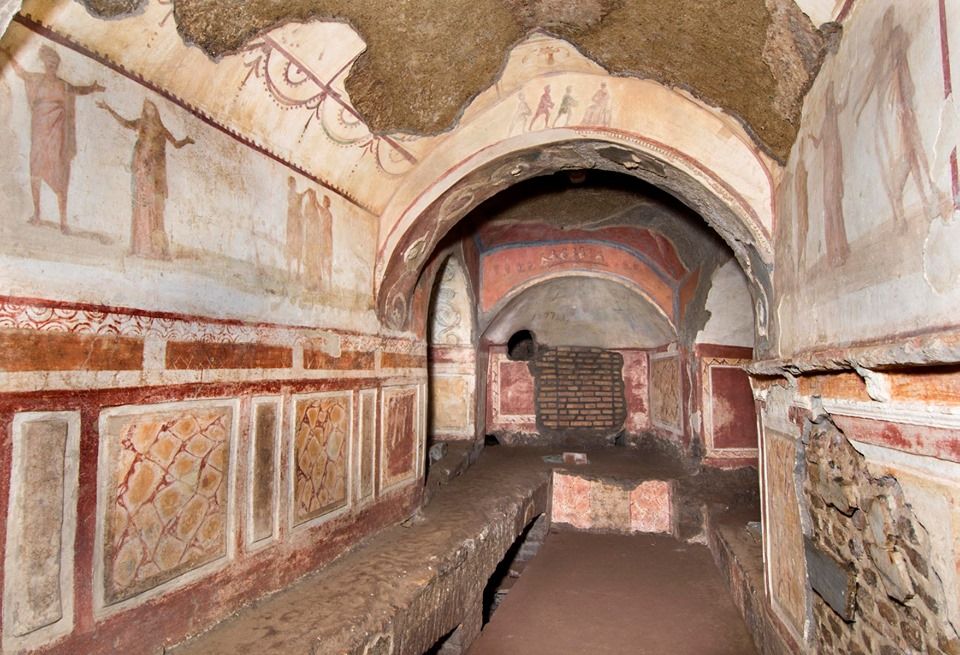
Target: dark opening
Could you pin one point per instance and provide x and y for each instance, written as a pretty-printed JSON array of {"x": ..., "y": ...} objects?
[
  {"x": 522, "y": 346},
  {"x": 512, "y": 564}
]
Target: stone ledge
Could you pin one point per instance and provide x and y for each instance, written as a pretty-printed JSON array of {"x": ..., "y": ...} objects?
[{"x": 406, "y": 587}]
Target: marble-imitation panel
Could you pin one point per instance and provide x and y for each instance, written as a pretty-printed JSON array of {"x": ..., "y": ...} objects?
[
  {"x": 451, "y": 404},
  {"x": 263, "y": 470},
  {"x": 665, "y": 392},
  {"x": 164, "y": 499},
  {"x": 398, "y": 448},
  {"x": 783, "y": 534},
  {"x": 41, "y": 524},
  {"x": 368, "y": 441},
  {"x": 321, "y": 454}
]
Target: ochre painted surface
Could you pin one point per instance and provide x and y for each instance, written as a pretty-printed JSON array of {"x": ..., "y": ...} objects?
[
  {"x": 785, "y": 557},
  {"x": 193, "y": 355},
  {"x": 22, "y": 350},
  {"x": 166, "y": 487},
  {"x": 321, "y": 447}
]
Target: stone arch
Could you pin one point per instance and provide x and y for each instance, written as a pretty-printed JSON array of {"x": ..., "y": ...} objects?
[{"x": 421, "y": 225}]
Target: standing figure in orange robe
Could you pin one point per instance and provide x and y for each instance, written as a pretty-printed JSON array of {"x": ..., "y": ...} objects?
[
  {"x": 53, "y": 132},
  {"x": 317, "y": 242},
  {"x": 148, "y": 237}
]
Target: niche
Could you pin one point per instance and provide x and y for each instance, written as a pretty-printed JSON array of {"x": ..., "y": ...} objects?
[{"x": 522, "y": 346}]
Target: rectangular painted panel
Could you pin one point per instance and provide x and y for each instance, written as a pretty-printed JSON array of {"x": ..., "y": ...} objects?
[
  {"x": 321, "y": 442},
  {"x": 264, "y": 463},
  {"x": 368, "y": 441},
  {"x": 35, "y": 521},
  {"x": 165, "y": 481},
  {"x": 399, "y": 435}
]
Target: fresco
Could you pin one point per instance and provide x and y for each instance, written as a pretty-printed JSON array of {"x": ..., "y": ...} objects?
[
  {"x": 398, "y": 449},
  {"x": 322, "y": 428},
  {"x": 452, "y": 318},
  {"x": 281, "y": 91},
  {"x": 870, "y": 201},
  {"x": 165, "y": 485},
  {"x": 120, "y": 185},
  {"x": 665, "y": 391},
  {"x": 783, "y": 538}
]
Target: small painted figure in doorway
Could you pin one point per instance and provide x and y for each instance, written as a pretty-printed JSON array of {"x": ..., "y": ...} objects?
[
  {"x": 148, "y": 237},
  {"x": 294, "y": 229},
  {"x": 317, "y": 242},
  {"x": 567, "y": 103},
  {"x": 520, "y": 115},
  {"x": 543, "y": 108},
  {"x": 53, "y": 132},
  {"x": 598, "y": 113}
]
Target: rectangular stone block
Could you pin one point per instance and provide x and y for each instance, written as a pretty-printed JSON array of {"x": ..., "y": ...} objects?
[
  {"x": 41, "y": 524},
  {"x": 321, "y": 454},
  {"x": 264, "y": 469},
  {"x": 665, "y": 391},
  {"x": 164, "y": 495}
]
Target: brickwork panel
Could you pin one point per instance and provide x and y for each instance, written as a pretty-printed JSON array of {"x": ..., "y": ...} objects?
[{"x": 580, "y": 390}]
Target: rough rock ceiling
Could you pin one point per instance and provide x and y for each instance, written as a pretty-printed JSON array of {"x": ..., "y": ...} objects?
[{"x": 426, "y": 59}]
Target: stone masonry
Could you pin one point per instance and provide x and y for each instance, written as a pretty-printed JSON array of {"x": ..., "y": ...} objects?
[{"x": 866, "y": 527}]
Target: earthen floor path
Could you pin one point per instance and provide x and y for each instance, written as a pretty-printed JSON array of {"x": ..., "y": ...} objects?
[{"x": 617, "y": 595}]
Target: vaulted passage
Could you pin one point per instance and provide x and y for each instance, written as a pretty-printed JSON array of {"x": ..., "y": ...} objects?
[{"x": 340, "y": 327}]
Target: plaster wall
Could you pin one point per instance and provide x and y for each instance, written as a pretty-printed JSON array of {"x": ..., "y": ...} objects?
[{"x": 194, "y": 335}]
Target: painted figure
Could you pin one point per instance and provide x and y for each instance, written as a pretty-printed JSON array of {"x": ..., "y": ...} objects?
[
  {"x": 317, "y": 242},
  {"x": 835, "y": 231},
  {"x": 53, "y": 134},
  {"x": 543, "y": 108},
  {"x": 148, "y": 237},
  {"x": 567, "y": 103},
  {"x": 520, "y": 116},
  {"x": 598, "y": 113},
  {"x": 294, "y": 229},
  {"x": 893, "y": 86}
]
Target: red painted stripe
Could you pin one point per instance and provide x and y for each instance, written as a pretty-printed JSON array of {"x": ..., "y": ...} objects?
[
  {"x": 845, "y": 11},
  {"x": 955, "y": 179},
  {"x": 945, "y": 53}
]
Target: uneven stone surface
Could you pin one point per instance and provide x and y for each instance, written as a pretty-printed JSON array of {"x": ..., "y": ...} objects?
[
  {"x": 640, "y": 594},
  {"x": 865, "y": 524},
  {"x": 425, "y": 60},
  {"x": 409, "y": 585}
]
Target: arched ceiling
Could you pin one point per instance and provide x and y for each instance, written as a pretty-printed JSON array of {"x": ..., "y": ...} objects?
[
  {"x": 583, "y": 311},
  {"x": 425, "y": 60}
]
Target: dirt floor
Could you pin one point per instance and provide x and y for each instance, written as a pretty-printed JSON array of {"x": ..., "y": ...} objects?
[{"x": 600, "y": 593}]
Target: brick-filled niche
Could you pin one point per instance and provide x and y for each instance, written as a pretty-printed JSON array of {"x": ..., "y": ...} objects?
[{"x": 579, "y": 392}]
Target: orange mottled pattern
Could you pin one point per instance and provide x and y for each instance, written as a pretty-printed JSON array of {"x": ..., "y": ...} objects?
[
  {"x": 320, "y": 451},
  {"x": 168, "y": 509}
]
